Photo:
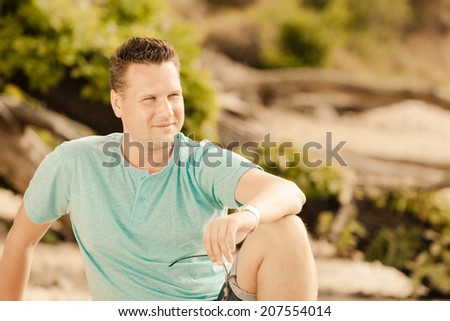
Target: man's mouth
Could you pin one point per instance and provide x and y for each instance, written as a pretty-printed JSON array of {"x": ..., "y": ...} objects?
[{"x": 163, "y": 124}]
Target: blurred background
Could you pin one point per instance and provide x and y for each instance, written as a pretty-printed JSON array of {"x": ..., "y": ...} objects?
[{"x": 372, "y": 74}]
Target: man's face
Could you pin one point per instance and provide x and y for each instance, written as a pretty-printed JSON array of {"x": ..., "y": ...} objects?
[{"x": 151, "y": 106}]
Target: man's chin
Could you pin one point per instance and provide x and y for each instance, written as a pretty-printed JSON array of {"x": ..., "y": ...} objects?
[{"x": 164, "y": 141}]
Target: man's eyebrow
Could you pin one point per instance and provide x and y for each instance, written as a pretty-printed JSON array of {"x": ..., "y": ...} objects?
[{"x": 146, "y": 95}]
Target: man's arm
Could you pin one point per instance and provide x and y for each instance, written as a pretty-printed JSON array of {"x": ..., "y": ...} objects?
[
  {"x": 16, "y": 262},
  {"x": 273, "y": 197}
]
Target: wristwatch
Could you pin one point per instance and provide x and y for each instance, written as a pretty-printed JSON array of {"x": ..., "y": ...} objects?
[{"x": 250, "y": 208}]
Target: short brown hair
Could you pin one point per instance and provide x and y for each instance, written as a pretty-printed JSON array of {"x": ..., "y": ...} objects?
[{"x": 139, "y": 50}]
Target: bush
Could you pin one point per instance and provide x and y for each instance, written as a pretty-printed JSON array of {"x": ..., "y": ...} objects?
[
  {"x": 294, "y": 37},
  {"x": 395, "y": 246},
  {"x": 316, "y": 4},
  {"x": 302, "y": 45},
  {"x": 230, "y": 3},
  {"x": 48, "y": 42}
]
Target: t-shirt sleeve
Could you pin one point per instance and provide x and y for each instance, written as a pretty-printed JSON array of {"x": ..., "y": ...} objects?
[
  {"x": 47, "y": 196},
  {"x": 219, "y": 173}
]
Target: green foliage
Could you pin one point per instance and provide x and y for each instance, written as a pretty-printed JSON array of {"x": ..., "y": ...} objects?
[
  {"x": 200, "y": 107},
  {"x": 395, "y": 246},
  {"x": 296, "y": 36},
  {"x": 385, "y": 16},
  {"x": 50, "y": 237},
  {"x": 378, "y": 19},
  {"x": 431, "y": 208},
  {"x": 432, "y": 267},
  {"x": 316, "y": 4},
  {"x": 320, "y": 183},
  {"x": 424, "y": 250},
  {"x": 49, "y": 40},
  {"x": 324, "y": 223},
  {"x": 48, "y": 137},
  {"x": 372, "y": 28},
  {"x": 349, "y": 239},
  {"x": 230, "y": 3},
  {"x": 302, "y": 45}
]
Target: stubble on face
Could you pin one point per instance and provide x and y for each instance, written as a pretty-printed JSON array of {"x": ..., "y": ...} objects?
[{"x": 152, "y": 111}]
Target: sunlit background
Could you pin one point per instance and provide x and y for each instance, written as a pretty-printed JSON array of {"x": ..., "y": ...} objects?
[{"x": 358, "y": 92}]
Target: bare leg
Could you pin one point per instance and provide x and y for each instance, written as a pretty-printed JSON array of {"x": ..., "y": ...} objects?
[{"x": 276, "y": 262}]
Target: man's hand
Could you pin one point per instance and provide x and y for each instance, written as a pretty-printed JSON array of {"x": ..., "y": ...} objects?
[{"x": 225, "y": 232}]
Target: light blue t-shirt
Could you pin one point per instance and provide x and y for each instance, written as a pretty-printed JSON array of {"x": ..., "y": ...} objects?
[{"x": 129, "y": 224}]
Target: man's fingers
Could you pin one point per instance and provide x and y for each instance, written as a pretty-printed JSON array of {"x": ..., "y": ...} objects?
[
  {"x": 210, "y": 242},
  {"x": 207, "y": 243},
  {"x": 225, "y": 238},
  {"x": 215, "y": 247},
  {"x": 220, "y": 239},
  {"x": 231, "y": 240}
]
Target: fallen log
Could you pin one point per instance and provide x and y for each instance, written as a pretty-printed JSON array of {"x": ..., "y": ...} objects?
[
  {"x": 303, "y": 88},
  {"x": 353, "y": 93},
  {"x": 21, "y": 150},
  {"x": 394, "y": 174},
  {"x": 23, "y": 114}
]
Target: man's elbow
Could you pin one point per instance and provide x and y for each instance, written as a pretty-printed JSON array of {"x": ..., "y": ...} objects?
[{"x": 299, "y": 198}]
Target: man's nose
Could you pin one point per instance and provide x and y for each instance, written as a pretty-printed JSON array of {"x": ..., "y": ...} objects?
[{"x": 166, "y": 108}]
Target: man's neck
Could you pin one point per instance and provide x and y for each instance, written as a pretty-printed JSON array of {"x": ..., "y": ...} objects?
[{"x": 151, "y": 159}]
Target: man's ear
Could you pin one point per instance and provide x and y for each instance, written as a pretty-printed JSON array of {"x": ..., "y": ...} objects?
[{"x": 116, "y": 103}]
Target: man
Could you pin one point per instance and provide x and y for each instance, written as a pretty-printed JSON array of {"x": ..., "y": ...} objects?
[{"x": 149, "y": 206}]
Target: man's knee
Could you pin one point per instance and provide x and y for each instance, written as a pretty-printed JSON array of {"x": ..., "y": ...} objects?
[
  {"x": 287, "y": 229},
  {"x": 278, "y": 246}
]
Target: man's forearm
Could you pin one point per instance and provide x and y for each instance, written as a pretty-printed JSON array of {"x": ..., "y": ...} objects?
[
  {"x": 14, "y": 271},
  {"x": 277, "y": 199},
  {"x": 19, "y": 246}
]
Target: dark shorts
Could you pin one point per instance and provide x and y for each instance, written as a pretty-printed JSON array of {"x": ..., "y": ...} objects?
[{"x": 235, "y": 293}]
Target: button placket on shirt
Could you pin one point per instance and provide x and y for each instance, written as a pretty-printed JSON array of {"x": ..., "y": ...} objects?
[{"x": 140, "y": 202}]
